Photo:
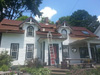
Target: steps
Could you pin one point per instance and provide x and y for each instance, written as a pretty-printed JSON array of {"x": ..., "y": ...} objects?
[{"x": 57, "y": 71}]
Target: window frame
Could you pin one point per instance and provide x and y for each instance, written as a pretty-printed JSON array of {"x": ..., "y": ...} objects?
[
  {"x": 17, "y": 52},
  {"x": 29, "y": 51},
  {"x": 28, "y": 31},
  {"x": 64, "y": 35}
]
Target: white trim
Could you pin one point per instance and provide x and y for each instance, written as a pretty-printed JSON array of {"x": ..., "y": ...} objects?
[{"x": 97, "y": 30}]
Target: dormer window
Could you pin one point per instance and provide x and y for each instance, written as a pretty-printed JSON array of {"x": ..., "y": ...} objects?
[
  {"x": 30, "y": 31},
  {"x": 64, "y": 33}
]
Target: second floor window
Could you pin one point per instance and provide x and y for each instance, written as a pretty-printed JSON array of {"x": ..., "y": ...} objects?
[
  {"x": 30, "y": 31},
  {"x": 64, "y": 33}
]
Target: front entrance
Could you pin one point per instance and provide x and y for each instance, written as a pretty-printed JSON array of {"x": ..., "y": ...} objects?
[{"x": 56, "y": 54}]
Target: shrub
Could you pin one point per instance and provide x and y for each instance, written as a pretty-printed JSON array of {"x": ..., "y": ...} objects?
[
  {"x": 36, "y": 71},
  {"x": 4, "y": 68},
  {"x": 34, "y": 63},
  {"x": 5, "y": 61}
]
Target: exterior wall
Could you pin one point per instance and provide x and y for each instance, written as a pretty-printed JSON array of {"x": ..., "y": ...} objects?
[
  {"x": 31, "y": 40},
  {"x": 22, "y": 39},
  {"x": 74, "y": 54},
  {"x": 98, "y": 33},
  {"x": 7, "y": 39}
]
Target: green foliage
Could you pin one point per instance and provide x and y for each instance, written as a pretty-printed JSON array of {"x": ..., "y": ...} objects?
[
  {"x": 78, "y": 71},
  {"x": 82, "y": 18},
  {"x": 65, "y": 18},
  {"x": 36, "y": 71},
  {"x": 5, "y": 61},
  {"x": 93, "y": 71},
  {"x": 4, "y": 68},
  {"x": 34, "y": 63},
  {"x": 13, "y": 9},
  {"x": 22, "y": 18}
]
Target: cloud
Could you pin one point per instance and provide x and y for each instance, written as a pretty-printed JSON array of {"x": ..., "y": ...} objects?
[
  {"x": 47, "y": 12},
  {"x": 99, "y": 18}
]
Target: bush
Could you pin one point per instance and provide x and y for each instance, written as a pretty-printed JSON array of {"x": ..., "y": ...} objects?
[
  {"x": 36, "y": 71},
  {"x": 4, "y": 68},
  {"x": 5, "y": 61},
  {"x": 34, "y": 63}
]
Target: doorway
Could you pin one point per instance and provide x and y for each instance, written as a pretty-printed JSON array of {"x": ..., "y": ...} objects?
[{"x": 56, "y": 54}]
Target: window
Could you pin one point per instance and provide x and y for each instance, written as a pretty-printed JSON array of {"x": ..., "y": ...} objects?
[
  {"x": 14, "y": 50},
  {"x": 30, "y": 31},
  {"x": 65, "y": 51},
  {"x": 64, "y": 33},
  {"x": 29, "y": 51},
  {"x": 85, "y": 32}
]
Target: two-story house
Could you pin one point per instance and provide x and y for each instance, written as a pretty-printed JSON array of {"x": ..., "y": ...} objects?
[{"x": 30, "y": 39}]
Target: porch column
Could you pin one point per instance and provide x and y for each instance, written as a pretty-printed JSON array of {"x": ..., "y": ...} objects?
[{"x": 89, "y": 50}]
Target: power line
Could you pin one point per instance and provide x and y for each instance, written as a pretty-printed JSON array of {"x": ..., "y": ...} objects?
[{"x": 73, "y": 7}]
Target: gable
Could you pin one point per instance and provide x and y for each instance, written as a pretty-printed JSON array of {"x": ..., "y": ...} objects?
[
  {"x": 30, "y": 20},
  {"x": 97, "y": 32}
]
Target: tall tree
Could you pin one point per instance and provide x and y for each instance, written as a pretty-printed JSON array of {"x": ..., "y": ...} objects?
[
  {"x": 13, "y": 9},
  {"x": 83, "y": 19},
  {"x": 22, "y": 18}
]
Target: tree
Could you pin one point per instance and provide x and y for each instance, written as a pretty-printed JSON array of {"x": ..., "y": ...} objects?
[
  {"x": 22, "y": 18},
  {"x": 82, "y": 18},
  {"x": 65, "y": 18},
  {"x": 13, "y": 9}
]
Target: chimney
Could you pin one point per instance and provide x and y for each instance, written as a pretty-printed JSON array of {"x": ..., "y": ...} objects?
[{"x": 46, "y": 20}]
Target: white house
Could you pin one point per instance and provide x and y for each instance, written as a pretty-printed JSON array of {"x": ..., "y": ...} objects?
[{"x": 30, "y": 39}]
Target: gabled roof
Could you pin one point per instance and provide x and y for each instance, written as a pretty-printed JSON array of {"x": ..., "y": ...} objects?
[
  {"x": 33, "y": 20},
  {"x": 45, "y": 28},
  {"x": 10, "y": 22},
  {"x": 79, "y": 32},
  {"x": 13, "y": 26},
  {"x": 10, "y": 26}
]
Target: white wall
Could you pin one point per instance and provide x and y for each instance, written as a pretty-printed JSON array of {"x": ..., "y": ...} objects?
[
  {"x": 74, "y": 55},
  {"x": 7, "y": 39},
  {"x": 31, "y": 40},
  {"x": 22, "y": 39}
]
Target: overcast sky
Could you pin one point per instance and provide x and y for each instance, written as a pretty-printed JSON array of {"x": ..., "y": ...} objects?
[{"x": 54, "y": 9}]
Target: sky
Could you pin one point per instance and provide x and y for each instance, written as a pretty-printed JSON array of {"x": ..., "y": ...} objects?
[{"x": 54, "y": 9}]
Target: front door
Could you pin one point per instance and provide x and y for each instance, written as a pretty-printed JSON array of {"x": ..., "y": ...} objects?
[
  {"x": 84, "y": 52},
  {"x": 56, "y": 54}
]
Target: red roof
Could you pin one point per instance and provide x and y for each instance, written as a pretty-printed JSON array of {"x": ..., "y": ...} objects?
[
  {"x": 10, "y": 26},
  {"x": 10, "y": 22},
  {"x": 48, "y": 25},
  {"x": 45, "y": 33},
  {"x": 45, "y": 28},
  {"x": 13, "y": 26},
  {"x": 78, "y": 32}
]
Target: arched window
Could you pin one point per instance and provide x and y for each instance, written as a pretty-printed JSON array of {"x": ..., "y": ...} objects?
[
  {"x": 30, "y": 31},
  {"x": 64, "y": 33}
]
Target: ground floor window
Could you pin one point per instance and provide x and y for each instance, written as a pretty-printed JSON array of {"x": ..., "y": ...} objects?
[
  {"x": 29, "y": 51},
  {"x": 65, "y": 51},
  {"x": 14, "y": 50},
  {"x": 84, "y": 52}
]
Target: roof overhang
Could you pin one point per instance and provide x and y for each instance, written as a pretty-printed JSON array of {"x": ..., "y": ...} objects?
[
  {"x": 84, "y": 41},
  {"x": 54, "y": 38}
]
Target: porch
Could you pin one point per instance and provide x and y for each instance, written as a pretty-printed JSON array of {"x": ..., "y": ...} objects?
[
  {"x": 86, "y": 48},
  {"x": 82, "y": 52}
]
